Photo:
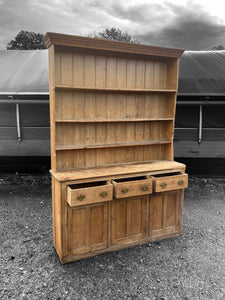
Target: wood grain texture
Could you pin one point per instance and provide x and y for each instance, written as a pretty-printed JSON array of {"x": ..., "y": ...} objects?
[
  {"x": 87, "y": 228},
  {"x": 165, "y": 213},
  {"x": 57, "y": 218},
  {"x": 53, "y": 212},
  {"x": 132, "y": 187},
  {"x": 99, "y": 172},
  {"x": 128, "y": 221},
  {"x": 88, "y": 195},
  {"x": 168, "y": 183}
]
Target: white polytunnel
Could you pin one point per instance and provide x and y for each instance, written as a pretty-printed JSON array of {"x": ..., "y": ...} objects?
[{"x": 24, "y": 109}]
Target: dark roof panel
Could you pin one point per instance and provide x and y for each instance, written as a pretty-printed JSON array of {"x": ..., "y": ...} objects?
[{"x": 202, "y": 73}]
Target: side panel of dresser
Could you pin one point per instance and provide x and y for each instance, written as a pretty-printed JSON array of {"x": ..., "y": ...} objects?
[
  {"x": 57, "y": 216},
  {"x": 84, "y": 230}
]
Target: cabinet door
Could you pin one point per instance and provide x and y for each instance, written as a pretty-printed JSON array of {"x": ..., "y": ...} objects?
[
  {"x": 129, "y": 217},
  {"x": 166, "y": 211},
  {"x": 87, "y": 228}
]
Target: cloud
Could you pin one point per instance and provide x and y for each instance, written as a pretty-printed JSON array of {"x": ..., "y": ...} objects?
[
  {"x": 17, "y": 15},
  {"x": 189, "y": 35},
  {"x": 191, "y": 28},
  {"x": 185, "y": 25},
  {"x": 143, "y": 13},
  {"x": 72, "y": 17},
  {"x": 188, "y": 25},
  {"x": 41, "y": 16}
]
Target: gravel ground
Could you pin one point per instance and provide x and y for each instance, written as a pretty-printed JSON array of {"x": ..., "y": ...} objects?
[{"x": 191, "y": 266}]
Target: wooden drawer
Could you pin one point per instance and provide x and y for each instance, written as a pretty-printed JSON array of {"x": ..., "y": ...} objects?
[
  {"x": 169, "y": 182},
  {"x": 128, "y": 187},
  {"x": 88, "y": 193}
]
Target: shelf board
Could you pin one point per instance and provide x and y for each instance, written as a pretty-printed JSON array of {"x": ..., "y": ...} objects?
[
  {"x": 126, "y": 169},
  {"x": 112, "y": 120},
  {"x": 116, "y": 145},
  {"x": 113, "y": 90}
]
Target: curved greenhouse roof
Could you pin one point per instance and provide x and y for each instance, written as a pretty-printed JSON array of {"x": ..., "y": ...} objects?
[{"x": 201, "y": 73}]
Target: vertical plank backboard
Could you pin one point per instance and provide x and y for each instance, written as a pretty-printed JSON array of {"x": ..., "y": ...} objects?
[
  {"x": 100, "y": 71},
  {"x": 66, "y": 68},
  {"x": 67, "y": 105},
  {"x": 89, "y": 71},
  {"x": 78, "y": 70},
  {"x": 172, "y": 74},
  {"x": 90, "y": 106},
  {"x": 149, "y": 74},
  {"x": 57, "y": 68},
  {"x": 140, "y": 74},
  {"x": 121, "y": 73},
  {"x": 131, "y": 73},
  {"x": 100, "y": 107},
  {"x": 111, "y": 72},
  {"x": 79, "y": 106}
]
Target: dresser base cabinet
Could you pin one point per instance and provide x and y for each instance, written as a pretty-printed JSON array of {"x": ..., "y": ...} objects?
[{"x": 90, "y": 218}]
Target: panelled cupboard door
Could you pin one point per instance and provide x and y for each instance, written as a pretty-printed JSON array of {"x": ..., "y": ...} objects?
[
  {"x": 129, "y": 220},
  {"x": 165, "y": 213},
  {"x": 87, "y": 228}
]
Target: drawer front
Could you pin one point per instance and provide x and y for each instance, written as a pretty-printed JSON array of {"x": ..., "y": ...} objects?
[
  {"x": 132, "y": 188},
  {"x": 89, "y": 195},
  {"x": 169, "y": 183}
]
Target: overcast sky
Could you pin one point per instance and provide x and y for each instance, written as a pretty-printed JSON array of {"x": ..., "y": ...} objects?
[{"x": 190, "y": 25}]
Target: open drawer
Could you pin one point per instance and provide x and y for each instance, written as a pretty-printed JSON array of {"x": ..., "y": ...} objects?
[
  {"x": 88, "y": 193},
  {"x": 129, "y": 187},
  {"x": 170, "y": 181}
]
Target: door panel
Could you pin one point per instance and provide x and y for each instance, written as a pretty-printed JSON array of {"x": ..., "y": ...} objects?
[
  {"x": 165, "y": 213},
  {"x": 87, "y": 228},
  {"x": 128, "y": 220}
]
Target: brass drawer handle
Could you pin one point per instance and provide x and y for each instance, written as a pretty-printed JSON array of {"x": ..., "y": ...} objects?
[
  {"x": 103, "y": 194},
  {"x": 144, "y": 187},
  {"x": 180, "y": 182},
  {"x": 80, "y": 197},
  {"x": 125, "y": 190},
  {"x": 163, "y": 185}
]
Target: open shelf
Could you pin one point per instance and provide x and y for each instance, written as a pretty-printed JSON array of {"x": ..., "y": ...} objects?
[
  {"x": 113, "y": 90},
  {"x": 115, "y": 145},
  {"x": 111, "y": 109},
  {"x": 112, "y": 120}
]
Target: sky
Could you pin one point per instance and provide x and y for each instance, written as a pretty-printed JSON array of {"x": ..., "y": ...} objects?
[{"x": 185, "y": 24}]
